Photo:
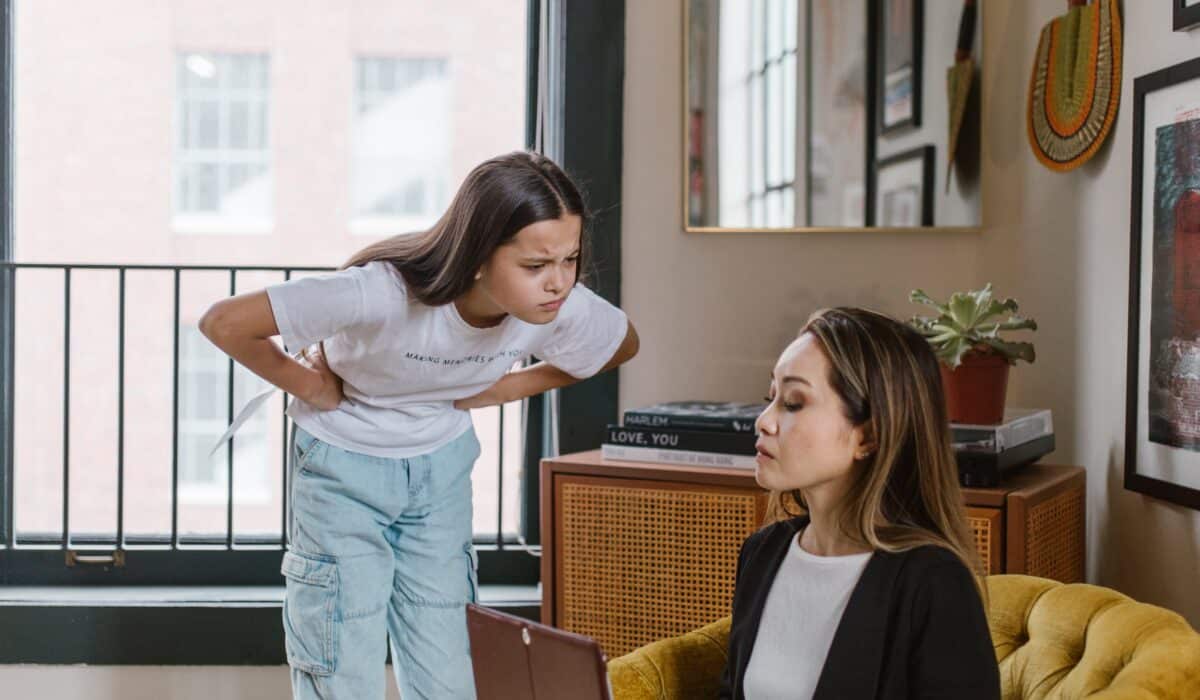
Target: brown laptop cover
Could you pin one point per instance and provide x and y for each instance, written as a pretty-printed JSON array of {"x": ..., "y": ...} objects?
[{"x": 515, "y": 659}]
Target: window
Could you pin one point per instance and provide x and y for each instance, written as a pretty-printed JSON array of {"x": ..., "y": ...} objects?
[
  {"x": 284, "y": 139},
  {"x": 102, "y": 194},
  {"x": 773, "y": 113},
  {"x": 203, "y": 418},
  {"x": 757, "y": 93},
  {"x": 401, "y": 143},
  {"x": 222, "y": 143}
]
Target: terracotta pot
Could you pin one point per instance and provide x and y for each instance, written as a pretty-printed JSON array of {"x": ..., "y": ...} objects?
[{"x": 975, "y": 390}]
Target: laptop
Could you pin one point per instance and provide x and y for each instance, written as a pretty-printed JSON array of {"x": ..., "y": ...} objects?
[{"x": 515, "y": 659}]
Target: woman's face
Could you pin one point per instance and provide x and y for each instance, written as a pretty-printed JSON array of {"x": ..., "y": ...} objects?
[
  {"x": 805, "y": 440},
  {"x": 531, "y": 275}
]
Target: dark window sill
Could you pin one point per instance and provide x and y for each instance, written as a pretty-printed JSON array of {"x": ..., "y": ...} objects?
[{"x": 185, "y": 625}]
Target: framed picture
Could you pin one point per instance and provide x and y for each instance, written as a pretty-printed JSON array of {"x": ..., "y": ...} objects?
[
  {"x": 1162, "y": 420},
  {"x": 1186, "y": 13},
  {"x": 899, "y": 53},
  {"x": 904, "y": 189}
]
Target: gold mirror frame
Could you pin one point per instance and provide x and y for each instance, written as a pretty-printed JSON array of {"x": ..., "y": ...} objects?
[{"x": 984, "y": 101}]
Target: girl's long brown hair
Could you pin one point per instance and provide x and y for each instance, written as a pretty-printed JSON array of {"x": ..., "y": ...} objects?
[
  {"x": 499, "y": 197},
  {"x": 906, "y": 493}
]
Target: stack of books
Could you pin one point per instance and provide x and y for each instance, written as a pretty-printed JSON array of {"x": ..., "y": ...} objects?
[
  {"x": 699, "y": 433},
  {"x": 986, "y": 452}
]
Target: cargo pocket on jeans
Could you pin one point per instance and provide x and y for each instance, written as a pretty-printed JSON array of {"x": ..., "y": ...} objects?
[
  {"x": 308, "y": 612},
  {"x": 472, "y": 572}
]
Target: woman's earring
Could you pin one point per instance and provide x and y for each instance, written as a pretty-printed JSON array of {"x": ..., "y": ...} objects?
[{"x": 478, "y": 275}]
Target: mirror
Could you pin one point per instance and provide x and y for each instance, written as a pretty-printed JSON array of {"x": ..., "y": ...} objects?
[{"x": 806, "y": 115}]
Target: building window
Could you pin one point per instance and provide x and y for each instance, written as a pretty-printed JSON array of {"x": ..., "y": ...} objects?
[
  {"x": 204, "y": 416},
  {"x": 222, "y": 164},
  {"x": 401, "y": 144}
]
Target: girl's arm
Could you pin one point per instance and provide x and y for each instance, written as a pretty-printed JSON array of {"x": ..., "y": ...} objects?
[
  {"x": 242, "y": 327},
  {"x": 541, "y": 377}
]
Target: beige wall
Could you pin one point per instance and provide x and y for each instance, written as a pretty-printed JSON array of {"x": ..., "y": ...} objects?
[
  {"x": 1061, "y": 242},
  {"x": 713, "y": 311}
]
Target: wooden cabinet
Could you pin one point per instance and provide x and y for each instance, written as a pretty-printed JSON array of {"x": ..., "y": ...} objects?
[
  {"x": 633, "y": 552},
  {"x": 1032, "y": 523}
]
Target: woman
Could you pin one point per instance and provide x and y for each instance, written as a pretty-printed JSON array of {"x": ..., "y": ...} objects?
[{"x": 862, "y": 586}]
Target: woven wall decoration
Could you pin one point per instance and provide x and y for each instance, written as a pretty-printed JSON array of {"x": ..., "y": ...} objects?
[{"x": 1075, "y": 87}]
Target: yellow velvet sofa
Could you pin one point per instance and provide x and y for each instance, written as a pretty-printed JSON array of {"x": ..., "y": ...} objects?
[{"x": 1053, "y": 641}]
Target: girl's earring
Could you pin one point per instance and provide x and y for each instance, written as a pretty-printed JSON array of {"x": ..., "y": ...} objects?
[{"x": 478, "y": 275}]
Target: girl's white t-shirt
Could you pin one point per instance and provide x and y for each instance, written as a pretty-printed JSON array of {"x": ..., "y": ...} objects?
[
  {"x": 404, "y": 363},
  {"x": 801, "y": 615}
]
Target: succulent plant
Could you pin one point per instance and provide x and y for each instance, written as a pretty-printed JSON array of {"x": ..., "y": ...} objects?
[{"x": 972, "y": 322}]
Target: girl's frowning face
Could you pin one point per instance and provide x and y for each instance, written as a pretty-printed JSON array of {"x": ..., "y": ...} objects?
[{"x": 530, "y": 276}]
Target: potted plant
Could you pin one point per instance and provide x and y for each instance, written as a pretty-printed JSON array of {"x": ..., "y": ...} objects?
[{"x": 965, "y": 335}]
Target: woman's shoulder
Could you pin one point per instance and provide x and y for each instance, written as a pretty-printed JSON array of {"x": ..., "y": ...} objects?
[
  {"x": 919, "y": 561},
  {"x": 933, "y": 570},
  {"x": 930, "y": 555},
  {"x": 772, "y": 536}
]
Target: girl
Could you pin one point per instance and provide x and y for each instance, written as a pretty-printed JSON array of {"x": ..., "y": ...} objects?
[
  {"x": 863, "y": 586},
  {"x": 411, "y": 333}
]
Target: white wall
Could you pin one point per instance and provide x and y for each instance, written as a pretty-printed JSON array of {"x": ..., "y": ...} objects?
[{"x": 713, "y": 311}]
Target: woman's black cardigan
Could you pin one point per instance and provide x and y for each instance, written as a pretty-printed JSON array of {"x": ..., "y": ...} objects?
[{"x": 914, "y": 626}]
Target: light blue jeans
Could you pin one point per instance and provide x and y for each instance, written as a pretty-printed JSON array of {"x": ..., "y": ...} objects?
[{"x": 380, "y": 551}]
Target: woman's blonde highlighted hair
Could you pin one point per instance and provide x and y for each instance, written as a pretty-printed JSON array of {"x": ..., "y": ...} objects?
[{"x": 905, "y": 494}]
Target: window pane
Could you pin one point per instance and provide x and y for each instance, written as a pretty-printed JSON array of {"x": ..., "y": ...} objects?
[
  {"x": 774, "y": 130},
  {"x": 198, "y": 70},
  {"x": 758, "y": 34},
  {"x": 215, "y": 116},
  {"x": 243, "y": 72},
  {"x": 239, "y": 125},
  {"x": 402, "y": 140},
  {"x": 758, "y": 145},
  {"x": 774, "y": 28},
  {"x": 203, "y": 116},
  {"x": 789, "y": 117}
]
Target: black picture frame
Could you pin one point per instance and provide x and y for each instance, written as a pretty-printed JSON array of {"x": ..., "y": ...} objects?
[
  {"x": 1159, "y": 316},
  {"x": 887, "y": 69},
  {"x": 927, "y": 157},
  {"x": 1185, "y": 17}
]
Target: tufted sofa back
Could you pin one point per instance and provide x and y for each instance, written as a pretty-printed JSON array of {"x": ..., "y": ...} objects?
[
  {"x": 1053, "y": 641},
  {"x": 1065, "y": 641}
]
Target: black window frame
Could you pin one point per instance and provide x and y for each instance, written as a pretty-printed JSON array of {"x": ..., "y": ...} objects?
[{"x": 591, "y": 72}]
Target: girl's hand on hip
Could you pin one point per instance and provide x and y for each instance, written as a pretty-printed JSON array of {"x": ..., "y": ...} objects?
[
  {"x": 519, "y": 384},
  {"x": 488, "y": 397},
  {"x": 328, "y": 394}
]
